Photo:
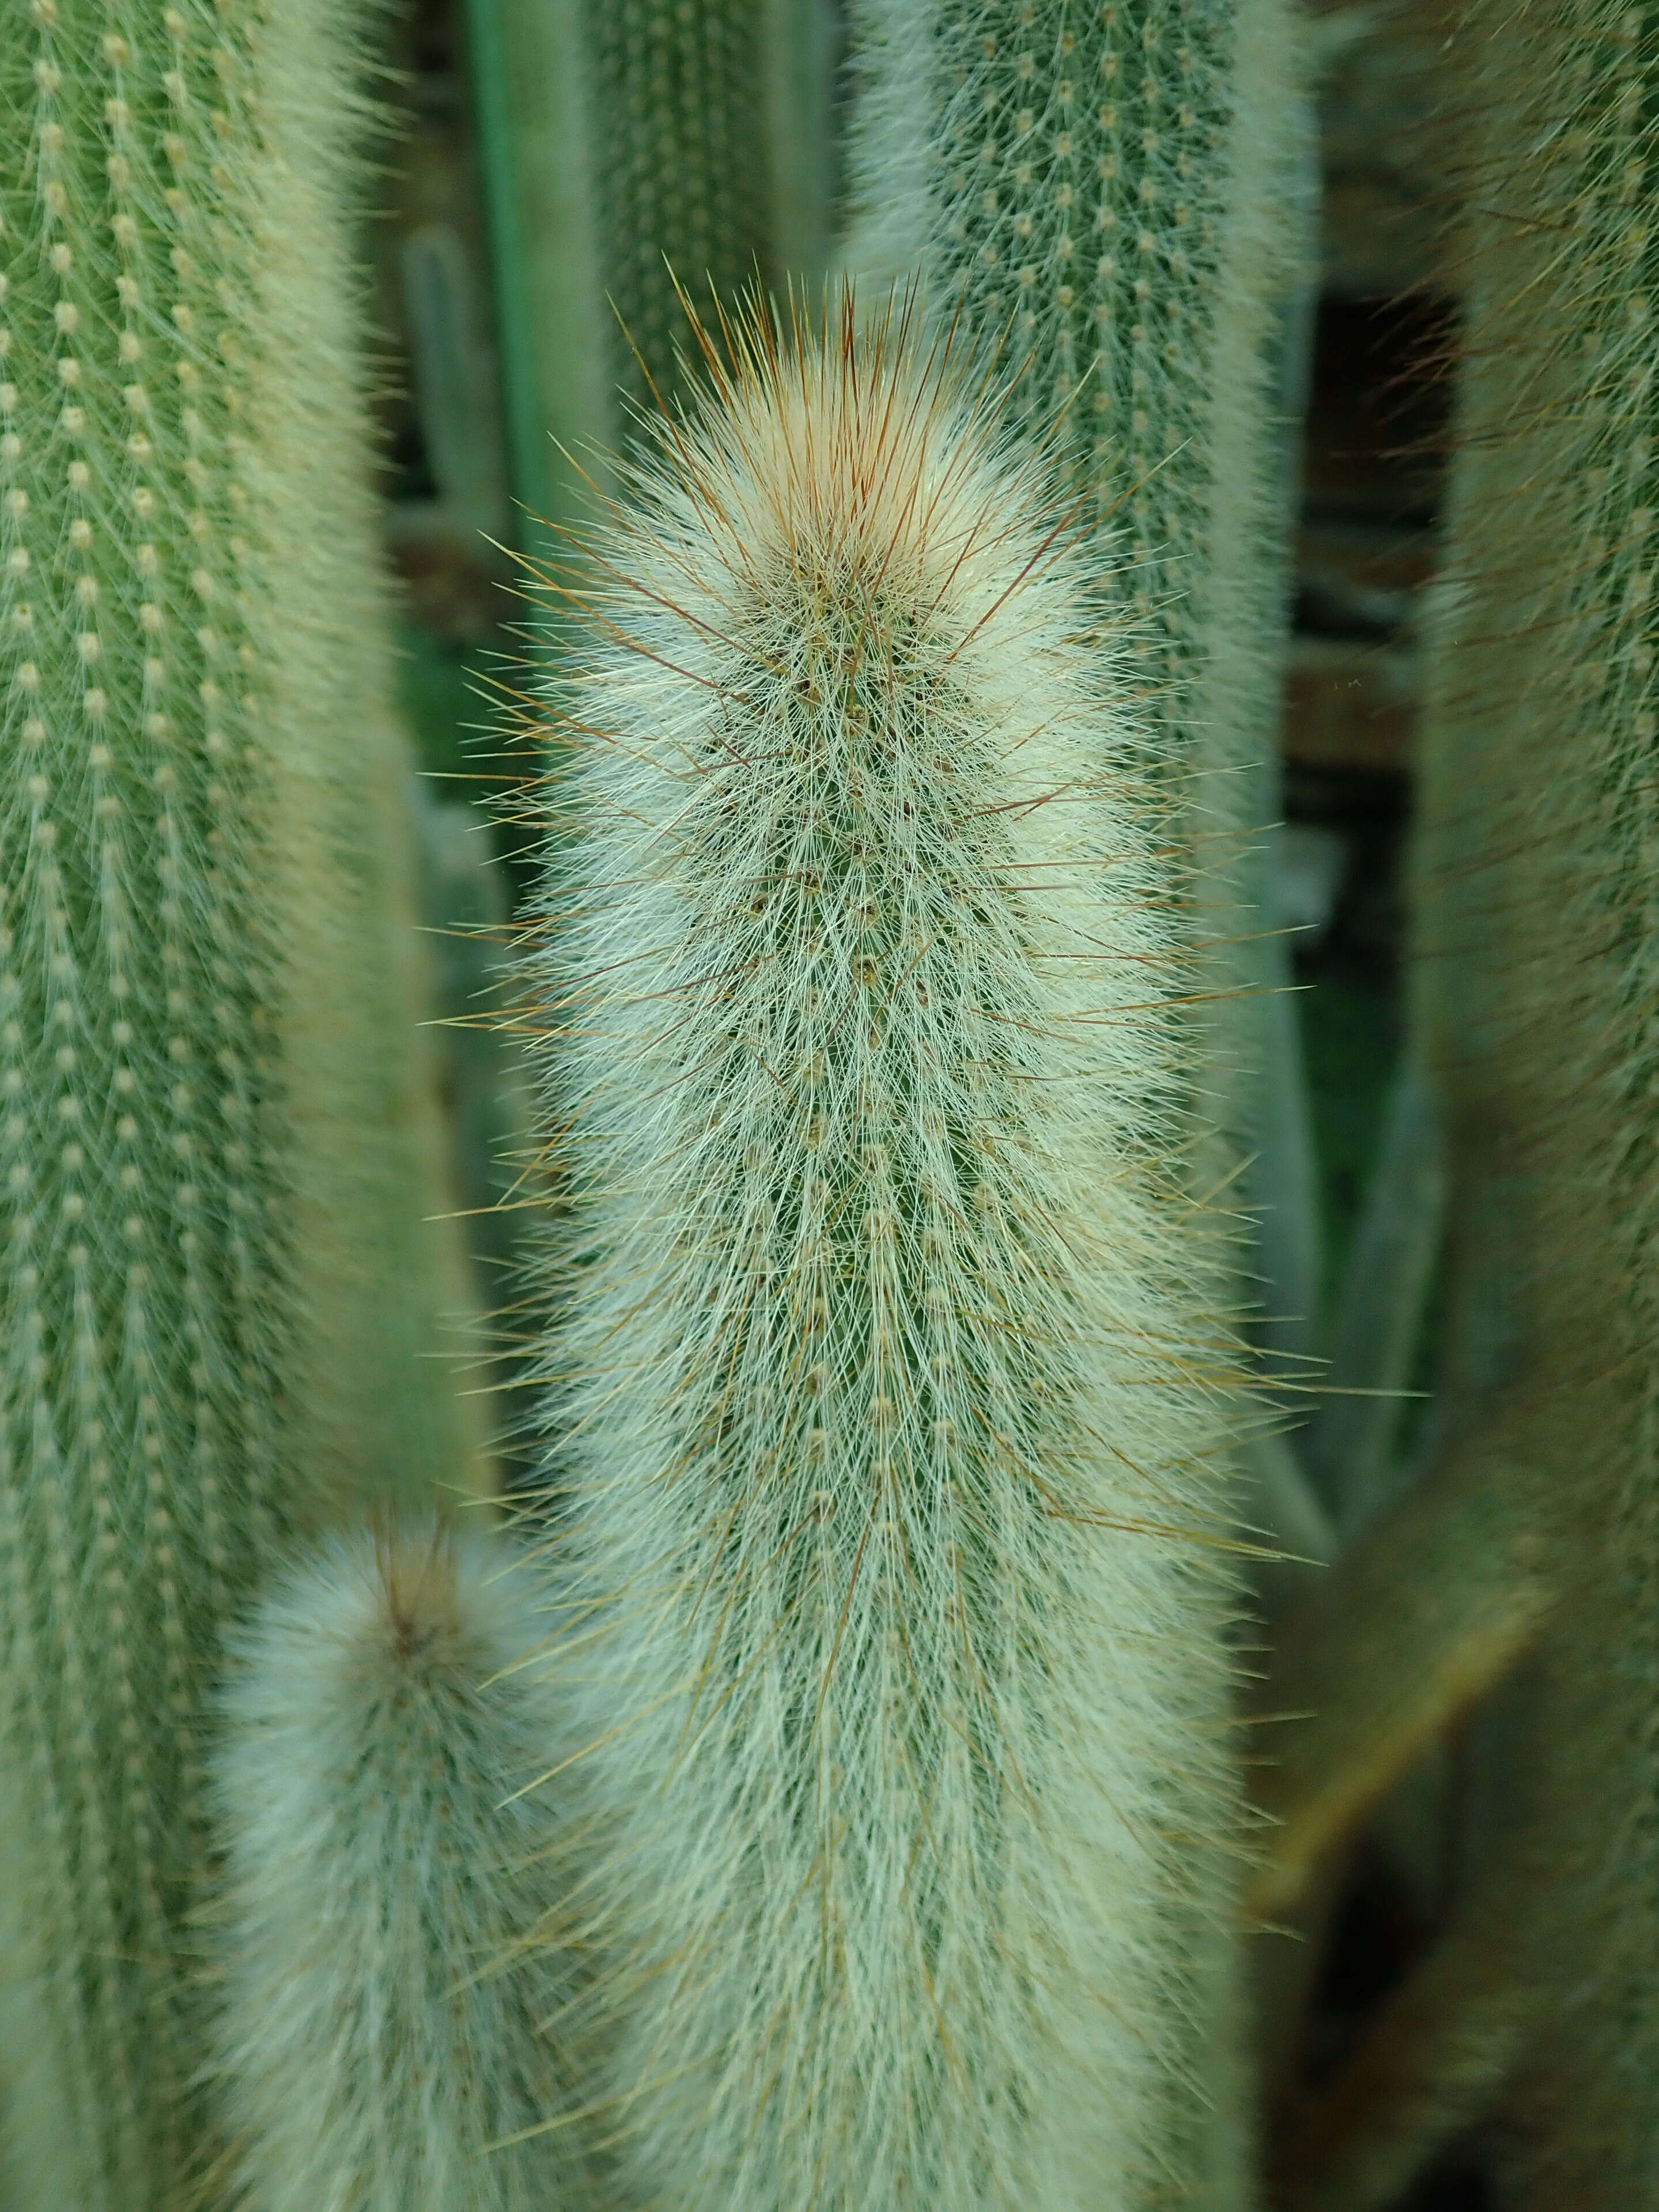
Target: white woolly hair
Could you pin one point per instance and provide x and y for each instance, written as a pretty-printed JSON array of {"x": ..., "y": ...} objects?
[
  {"x": 885, "y": 1402},
  {"x": 385, "y": 2029}
]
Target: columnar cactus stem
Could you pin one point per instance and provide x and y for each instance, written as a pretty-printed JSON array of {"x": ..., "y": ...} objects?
[
  {"x": 680, "y": 141},
  {"x": 1113, "y": 195},
  {"x": 190, "y": 762},
  {"x": 887, "y": 1402},
  {"x": 1541, "y": 871},
  {"x": 382, "y": 2020}
]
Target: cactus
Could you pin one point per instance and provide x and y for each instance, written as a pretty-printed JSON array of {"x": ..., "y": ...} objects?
[
  {"x": 678, "y": 134},
  {"x": 1538, "y": 877},
  {"x": 1118, "y": 201},
  {"x": 1113, "y": 197},
  {"x": 380, "y": 2031},
  {"x": 623, "y": 149},
  {"x": 212, "y": 1271},
  {"x": 886, "y": 1408}
]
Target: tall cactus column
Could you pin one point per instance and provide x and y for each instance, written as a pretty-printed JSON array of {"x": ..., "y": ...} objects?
[
  {"x": 388, "y": 2000},
  {"x": 888, "y": 1405},
  {"x": 190, "y": 686},
  {"x": 1541, "y": 872},
  {"x": 1110, "y": 195}
]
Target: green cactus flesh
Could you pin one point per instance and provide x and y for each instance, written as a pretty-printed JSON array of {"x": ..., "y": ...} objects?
[
  {"x": 184, "y": 546},
  {"x": 886, "y": 1412},
  {"x": 1103, "y": 194},
  {"x": 1109, "y": 197}
]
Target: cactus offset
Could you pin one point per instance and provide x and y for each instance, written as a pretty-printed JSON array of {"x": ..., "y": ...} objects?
[
  {"x": 382, "y": 2030},
  {"x": 886, "y": 1408},
  {"x": 1539, "y": 872},
  {"x": 189, "y": 679}
]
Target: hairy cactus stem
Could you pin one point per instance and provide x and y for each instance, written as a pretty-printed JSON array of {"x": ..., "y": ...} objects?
[{"x": 886, "y": 1401}]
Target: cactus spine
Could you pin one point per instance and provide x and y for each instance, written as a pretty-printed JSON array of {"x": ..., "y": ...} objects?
[
  {"x": 188, "y": 678},
  {"x": 381, "y": 2028},
  {"x": 1539, "y": 872},
  {"x": 884, "y": 1405}
]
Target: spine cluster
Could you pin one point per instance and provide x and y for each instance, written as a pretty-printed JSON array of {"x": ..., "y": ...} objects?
[{"x": 884, "y": 1408}]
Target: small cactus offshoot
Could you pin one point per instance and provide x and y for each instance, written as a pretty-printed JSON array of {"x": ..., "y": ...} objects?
[{"x": 387, "y": 2030}]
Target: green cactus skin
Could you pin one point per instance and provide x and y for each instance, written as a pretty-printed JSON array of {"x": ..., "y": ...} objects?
[
  {"x": 887, "y": 1408},
  {"x": 380, "y": 2030},
  {"x": 208, "y": 1128},
  {"x": 679, "y": 140},
  {"x": 536, "y": 117},
  {"x": 610, "y": 139},
  {"x": 1538, "y": 873},
  {"x": 1113, "y": 198}
]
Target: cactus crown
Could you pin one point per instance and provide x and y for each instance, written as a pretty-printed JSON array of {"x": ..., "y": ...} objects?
[
  {"x": 835, "y": 536},
  {"x": 382, "y": 2014}
]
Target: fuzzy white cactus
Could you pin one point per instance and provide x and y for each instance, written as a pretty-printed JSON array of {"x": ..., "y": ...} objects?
[
  {"x": 890, "y": 1522},
  {"x": 383, "y": 2032}
]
